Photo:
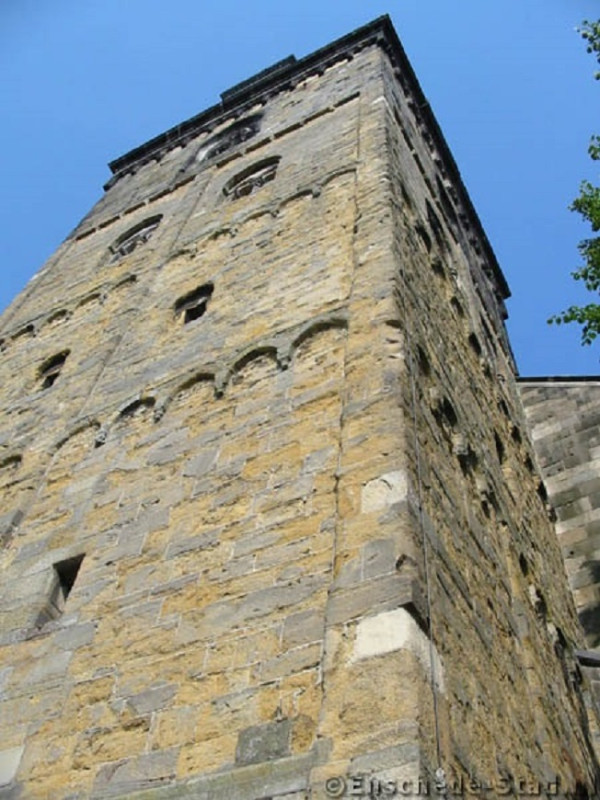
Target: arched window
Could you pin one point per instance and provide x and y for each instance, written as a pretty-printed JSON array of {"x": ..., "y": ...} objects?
[
  {"x": 139, "y": 234},
  {"x": 252, "y": 178},
  {"x": 236, "y": 133}
]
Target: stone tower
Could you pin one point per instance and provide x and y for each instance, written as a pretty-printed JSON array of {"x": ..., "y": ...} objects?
[{"x": 271, "y": 525}]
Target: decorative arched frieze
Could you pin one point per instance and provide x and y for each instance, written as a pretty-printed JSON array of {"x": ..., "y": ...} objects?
[
  {"x": 58, "y": 316},
  {"x": 79, "y": 427},
  {"x": 186, "y": 386},
  {"x": 253, "y": 353},
  {"x": 26, "y": 332},
  {"x": 134, "y": 407},
  {"x": 330, "y": 322}
]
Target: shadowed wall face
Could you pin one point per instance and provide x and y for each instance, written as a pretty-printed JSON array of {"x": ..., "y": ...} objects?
[{"x": 564, "y": 417}]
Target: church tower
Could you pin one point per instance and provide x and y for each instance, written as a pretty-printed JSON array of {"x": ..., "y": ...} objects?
[{"x": 271, "y": 523}]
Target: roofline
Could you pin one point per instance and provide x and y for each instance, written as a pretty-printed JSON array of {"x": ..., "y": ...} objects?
[
  {"x": 559, "y": 379},
  {"x": 284, "y": 75},
  {"x": 267, "y": 82}
]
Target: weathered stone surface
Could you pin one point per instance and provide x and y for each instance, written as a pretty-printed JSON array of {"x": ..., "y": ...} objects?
[
  {"x": 75, "y": 636},
  {"x": 131, "y": 775},
  {"x": 263, "y": 743},
  {"x": 370, "y": 596},
  {"x": 152, "y": 699},
  {"x": 290, "y": 498},
  {"x": 397, "y": 630},
  {"x": 564, "y": 416},
  {"x": 384, "y": 491},
  {"x": 286, "y": 779},
  {"x": 307, "y": 626},
  {"x": 200, "y": 464},
  {"x": 9, "y": 763}
]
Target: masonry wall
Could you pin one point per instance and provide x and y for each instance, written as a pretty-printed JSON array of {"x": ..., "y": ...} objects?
[
  {"x": 564, "y": 416},
  {"x": 305, "y": 550},
  {"x": 501, "y": 614},
  {"x": 202, "y": 470}
]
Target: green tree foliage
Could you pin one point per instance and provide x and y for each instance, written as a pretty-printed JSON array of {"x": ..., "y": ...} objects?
[{"x": 588, "y": 205}]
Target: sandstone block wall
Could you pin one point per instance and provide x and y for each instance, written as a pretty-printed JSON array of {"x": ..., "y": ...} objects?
[
  {"x": 269, "y": 518},
  {"x": 564, "y": 416},
  {"x": 501, "y": 614},
  {"x": 564, "y": 420}
]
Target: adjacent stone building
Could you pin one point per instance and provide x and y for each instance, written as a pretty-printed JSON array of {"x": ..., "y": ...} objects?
[
  {"x": 271, "y": 521},
  {"x": 564, "y": 418}
]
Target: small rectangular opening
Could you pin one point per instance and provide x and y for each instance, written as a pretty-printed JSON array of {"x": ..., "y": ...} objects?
[
  {"x": 50, "y": 369},
  {"x": 193, "y": 305}
]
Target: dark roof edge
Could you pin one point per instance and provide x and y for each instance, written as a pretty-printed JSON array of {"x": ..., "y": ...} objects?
[
  {"x": 379, "y": 31},
  {"x": 230, "y": 95},
  {"x": 588, "y": 658},
  {"x": 559, "y": 379},
  {"x": 397, "y": 54},
  {"x": 265, "y": 81}
]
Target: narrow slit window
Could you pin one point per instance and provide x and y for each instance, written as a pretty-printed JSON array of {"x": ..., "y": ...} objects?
[
  {"x": 436, "y": 226},
  {"x": 63, "y": 579},
  {"x": 500, "y": 452},
  {"x": 66, "y": 572},
  {"x": 193, "y": 305},
  {"x": 51, "y": 369},
  {"x": 475, "y": 345}
]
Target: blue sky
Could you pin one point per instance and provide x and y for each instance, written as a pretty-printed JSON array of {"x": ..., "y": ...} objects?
[{"x": 83, "y": 81}]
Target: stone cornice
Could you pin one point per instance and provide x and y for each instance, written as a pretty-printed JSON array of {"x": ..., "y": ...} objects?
[
  {"x": 558, "y": 380},
  {"x": 259, "y": 88},
  {"x": 284, "y": 75}
]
